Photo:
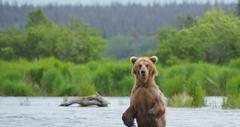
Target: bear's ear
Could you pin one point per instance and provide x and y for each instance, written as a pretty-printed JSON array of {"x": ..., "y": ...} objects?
[
  {"x": 154, "y": 59},
  {"x": 133, "y": 59}
]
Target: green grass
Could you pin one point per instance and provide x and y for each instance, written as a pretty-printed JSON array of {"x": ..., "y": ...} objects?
[
  {"x": 232, "y": 102},
  {"x": 113, "y": 78},
  {"x": 51, "y": 77},
  {"x": 233, "y": 94},
  {"x": 199, "y": 80}
]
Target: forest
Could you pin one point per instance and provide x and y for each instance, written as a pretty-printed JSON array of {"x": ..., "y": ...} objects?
[
  {"x": 199, "y": 54},
  {"x": 134, "y": 25}
]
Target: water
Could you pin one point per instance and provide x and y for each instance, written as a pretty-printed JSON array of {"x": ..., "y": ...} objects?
[{"x": 45, "y": 112}]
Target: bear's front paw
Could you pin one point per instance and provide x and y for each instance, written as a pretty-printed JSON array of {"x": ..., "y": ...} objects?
[{"x": 129, "y": 122}]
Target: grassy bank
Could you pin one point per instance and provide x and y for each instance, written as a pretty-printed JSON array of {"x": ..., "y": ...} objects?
[
  {"x": 51, "y": 77},
  {"x": 185, "y": 84}
]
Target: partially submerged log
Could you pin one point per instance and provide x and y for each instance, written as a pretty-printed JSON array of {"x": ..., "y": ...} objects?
[{"x": 87, "y": 101}]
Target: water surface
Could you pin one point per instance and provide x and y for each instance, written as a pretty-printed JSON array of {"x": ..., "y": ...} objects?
[{"x": 45, "y": 112}]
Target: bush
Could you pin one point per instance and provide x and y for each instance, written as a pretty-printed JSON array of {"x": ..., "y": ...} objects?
[
  {"x": 172, "y": 80},
  {"x": 82, "y": 80},
  {"x": 174, "y": 85},
  {"x": 35, "y": 74},
  {"x": 12, "y": 88},
  {"x": 109, "y": 78},
  {"x": 45, "y": 77},
  {"x": 102, "y": 80},
  {"x": 214, "y": 38},
  {"x": 235, "y": 63},
  {"x": 127, "y": 84},
  {"x": 52, "y": 80}
]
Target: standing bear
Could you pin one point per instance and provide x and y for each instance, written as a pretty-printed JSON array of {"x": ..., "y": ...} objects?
[{"x": 147, "y": 103}]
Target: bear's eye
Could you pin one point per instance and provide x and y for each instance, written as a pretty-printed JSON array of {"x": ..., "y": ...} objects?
[
  {"x": 139, "y": 65},
  {"x": 147, "y": 65}
]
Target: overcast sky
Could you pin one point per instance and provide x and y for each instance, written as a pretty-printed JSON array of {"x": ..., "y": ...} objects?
[{"x": 107, "y": 2}]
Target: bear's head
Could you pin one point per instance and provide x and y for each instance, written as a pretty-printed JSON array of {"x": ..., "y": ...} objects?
[{"x": 144, "y": 68}]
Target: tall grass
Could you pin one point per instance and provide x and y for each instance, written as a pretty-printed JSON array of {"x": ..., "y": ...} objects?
[
  {"x": 233, "y": 86},
  {"x": 233, "y": 94},
  {"x": 197, "y": 81},
  {"x": 51, "y": 77},
  {"x": 114, "y": 78}
]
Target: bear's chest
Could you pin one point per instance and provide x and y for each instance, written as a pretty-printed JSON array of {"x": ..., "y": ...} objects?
[{"x": 144, "y": 98}]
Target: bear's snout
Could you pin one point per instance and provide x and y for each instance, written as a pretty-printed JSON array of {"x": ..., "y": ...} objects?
[{"x": 143, "y": 71}]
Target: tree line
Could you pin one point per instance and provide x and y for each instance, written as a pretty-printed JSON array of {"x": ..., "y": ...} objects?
[
  {"x": 42, "y": 38},
  {"x": 213, "y": 39},
  {"x": 116, "y": 19},
  {"x": 129, "y": 29}
]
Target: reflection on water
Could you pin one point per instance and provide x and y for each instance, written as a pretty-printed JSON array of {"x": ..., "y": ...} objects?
[{"x": 45, "y": 112}]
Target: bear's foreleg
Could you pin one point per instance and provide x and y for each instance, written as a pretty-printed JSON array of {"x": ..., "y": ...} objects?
[{"x": 128, "y": 116}]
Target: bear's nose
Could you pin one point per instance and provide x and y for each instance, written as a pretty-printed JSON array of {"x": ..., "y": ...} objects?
[{"x": 143, "y": 72}]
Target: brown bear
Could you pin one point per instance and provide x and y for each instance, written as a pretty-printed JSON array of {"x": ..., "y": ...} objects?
[{"x": 147, "y": 103}]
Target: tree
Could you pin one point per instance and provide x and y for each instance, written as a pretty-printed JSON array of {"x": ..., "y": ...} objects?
[
  {"x": 36, "y": 17},
  {"x": 76, "y": 42},
  {"x": 184, "y": 22},
  {"x": 12, "y": 44},
  {"x": 43, "y": 39},
  {"x": 84, "y": 43},
  {"x": 214, "y": 38}
]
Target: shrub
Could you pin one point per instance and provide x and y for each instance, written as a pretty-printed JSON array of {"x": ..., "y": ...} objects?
[
  {"x": 174, "y": 85},
  {"x": 35, "y": 74},
  {"x": 109, "y": 79},
  {"x": 82, "y": 80},
  {"x": 51, "y": 80},
  {"x": 14, "y": 88},
  {"x": 126, "y": 83},
  {"x": 103, "y": 81},
  {"x": 235, "y": 63}
]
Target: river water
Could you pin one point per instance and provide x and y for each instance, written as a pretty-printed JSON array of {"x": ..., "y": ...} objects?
[{"x": 45, "y": 112}]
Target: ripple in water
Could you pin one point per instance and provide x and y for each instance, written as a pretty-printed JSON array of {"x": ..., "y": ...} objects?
[{"x": 45, "y": 112}]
